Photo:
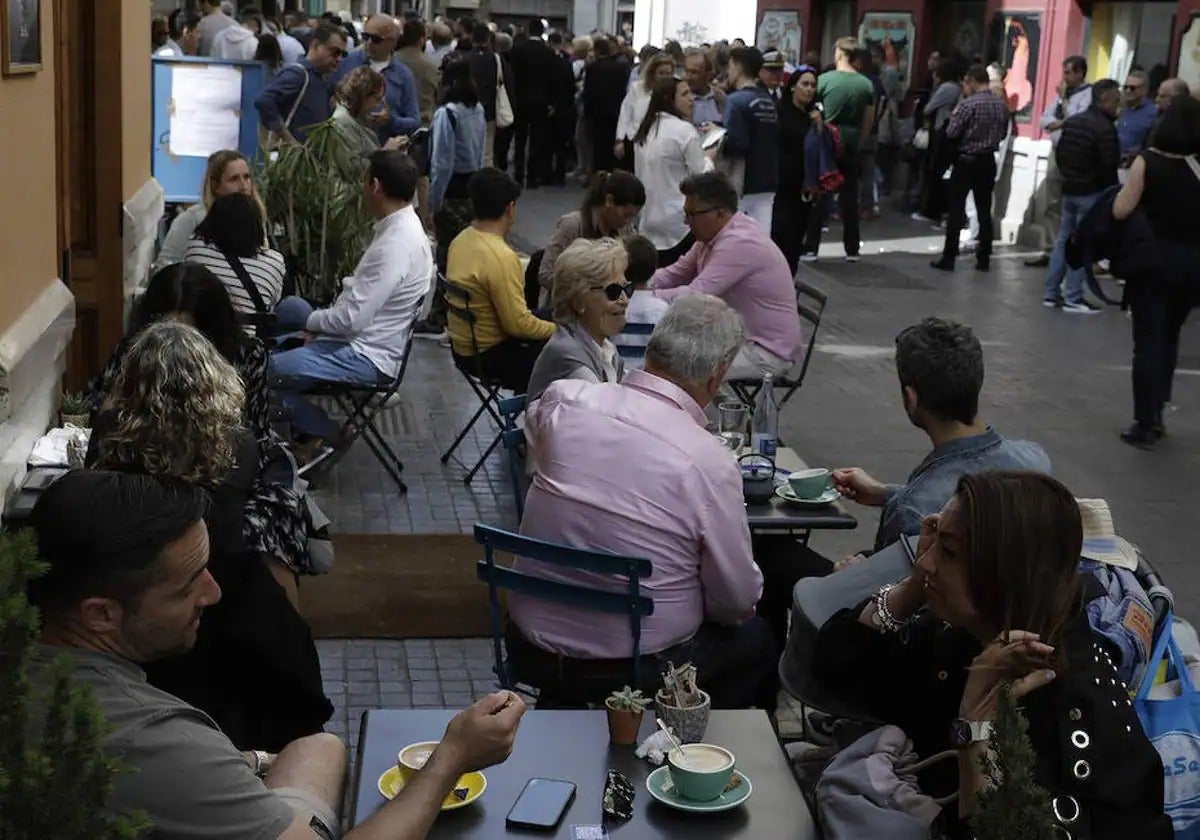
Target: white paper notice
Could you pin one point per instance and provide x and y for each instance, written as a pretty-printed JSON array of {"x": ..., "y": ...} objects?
[{"x": 205, "y": 109}]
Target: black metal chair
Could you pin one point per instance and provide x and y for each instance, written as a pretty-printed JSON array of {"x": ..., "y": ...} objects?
[
  {"x": 809, "y": 310},
  {"x": 486, "y": 388},
  {"x": 362, "y": 404}
]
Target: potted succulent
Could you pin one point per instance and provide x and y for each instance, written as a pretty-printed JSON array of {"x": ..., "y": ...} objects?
[
  {"x": 75, "y": 409},
  {"x": 681, "y": 705},
  {"x": 625, "y": 709}
]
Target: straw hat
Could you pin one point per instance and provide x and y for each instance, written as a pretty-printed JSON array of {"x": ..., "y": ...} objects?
[{"x": 1100, "y": 540}]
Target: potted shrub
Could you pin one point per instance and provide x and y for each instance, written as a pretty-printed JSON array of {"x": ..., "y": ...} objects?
[
  {"x": 75, "y": 409},
  {"x": 625, "y": 709}
]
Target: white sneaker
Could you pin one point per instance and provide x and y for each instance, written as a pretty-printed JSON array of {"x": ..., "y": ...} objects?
[
  {"x": 852, "y": 258},
  {"x": 1083, "y": 307},
  {"x": 808, "y": 258}
]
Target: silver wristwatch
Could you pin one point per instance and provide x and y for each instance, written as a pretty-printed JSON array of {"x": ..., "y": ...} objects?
[{"x": 965, "y": 732}]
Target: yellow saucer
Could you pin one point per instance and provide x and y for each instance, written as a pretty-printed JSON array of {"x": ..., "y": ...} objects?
[{"x": 394, "y": 778}]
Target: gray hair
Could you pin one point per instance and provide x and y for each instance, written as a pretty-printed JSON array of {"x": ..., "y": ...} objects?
[
  {"x": 695, "y": 337},
  {"x": 583, "y": 264}
]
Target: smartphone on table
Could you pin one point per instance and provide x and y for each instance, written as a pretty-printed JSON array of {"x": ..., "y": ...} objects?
[{"x": 541, "y": 804}]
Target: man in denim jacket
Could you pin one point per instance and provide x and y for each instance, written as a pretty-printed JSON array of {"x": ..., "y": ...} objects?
[{"x": 940, "y": 365}]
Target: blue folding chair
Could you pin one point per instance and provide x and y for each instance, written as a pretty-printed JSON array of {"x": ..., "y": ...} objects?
[
  {"x": 634, "y": 351},
  {"x": 630, "y": 602},
  {"x": 513, "y": 440}
]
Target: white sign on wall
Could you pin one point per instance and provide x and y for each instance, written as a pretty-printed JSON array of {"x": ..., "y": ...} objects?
[{"x": 693, "y": 22}]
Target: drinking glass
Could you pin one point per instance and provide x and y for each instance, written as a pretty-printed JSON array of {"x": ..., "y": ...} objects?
[{"x": 732, "y": 426}]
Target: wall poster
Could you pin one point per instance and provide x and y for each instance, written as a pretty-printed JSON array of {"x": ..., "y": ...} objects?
[
  {"x": 21, "y": 28},
  {"x": 1016, "y": 38},
  {"x": 896, "y": 32},
  {"x": 781, "y": 30}
]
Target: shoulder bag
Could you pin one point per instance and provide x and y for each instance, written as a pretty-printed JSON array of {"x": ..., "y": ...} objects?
[
  {"x": 504, "y": 110},
  {"x": 274, "y": 138},
  {"x": 263, "y": 319}
]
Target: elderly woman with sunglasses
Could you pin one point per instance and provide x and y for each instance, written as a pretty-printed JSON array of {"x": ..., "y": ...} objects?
[{"x": 590, "y": 296}]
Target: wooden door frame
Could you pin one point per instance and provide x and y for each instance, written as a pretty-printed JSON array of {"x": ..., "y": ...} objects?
[{"x": 95, "y": 273}]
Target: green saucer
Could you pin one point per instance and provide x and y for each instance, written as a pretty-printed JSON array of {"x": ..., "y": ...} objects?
[{"x": 660, "y": 787}]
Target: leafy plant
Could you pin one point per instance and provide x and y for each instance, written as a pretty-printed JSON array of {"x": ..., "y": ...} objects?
[
  {"x": 1012, "y": 806},
  {"x": 315, "y": 209},
  {"x": 75, "y": 403},
  {"x": 54, "y": 778},
  {"x": 627, "y": 700}
]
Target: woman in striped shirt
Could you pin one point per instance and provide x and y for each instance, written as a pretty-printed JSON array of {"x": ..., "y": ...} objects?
[{"x": 229, "y": 243}]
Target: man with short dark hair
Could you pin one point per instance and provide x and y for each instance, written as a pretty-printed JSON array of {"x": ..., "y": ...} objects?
[
  {"x": 848, "y": 98},
  {"x": 538, "y": 77},
  {"x": 214, "y": 21},
  {"x": 752, "y": 134},
  {"x": 1087, "y": 157},
  {"x": 604, "y": 84},
  {"x": 361, "y": 338},
  {"x": 562, "y": 112},
  {"x": 401, "y": 113},
  {"x": 507, "y": 336},
  {"x": 735, "y": 259},
  {"x": 128, "y": 584},
  {"x": 299, "y": 96},
  {"x": 940, "y": 365},
  {"x": 979, "y": 122}
]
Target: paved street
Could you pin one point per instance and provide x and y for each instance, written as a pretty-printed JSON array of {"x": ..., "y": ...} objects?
[{"x": 1061, "y": 380}]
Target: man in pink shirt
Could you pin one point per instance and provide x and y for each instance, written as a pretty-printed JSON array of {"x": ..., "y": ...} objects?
[
  {"x": 735, "y": 259},
  {"x": 630, "y": 468}
]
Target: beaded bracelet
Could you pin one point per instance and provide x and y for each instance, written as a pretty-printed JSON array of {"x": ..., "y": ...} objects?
[{"x": 888, "y": 622}]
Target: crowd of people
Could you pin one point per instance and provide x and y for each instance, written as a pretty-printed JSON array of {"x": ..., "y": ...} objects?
[{"x": 175, "y": 559}]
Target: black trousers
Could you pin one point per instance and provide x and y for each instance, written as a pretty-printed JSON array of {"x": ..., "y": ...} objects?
[
  {"x": 533, "y": 134},
  {"x": 783, "y": 561},
  {"x": 737, "y": 667},
  {"x": 563, "y": 142},
  {"x": 604, "y": 137},
  {"x": 790, "y": 223},
  {"x": 510, "y": 362},
  {"x": 1159, "y": 307},
  {"x": 501, "y": 147},
  {"x": 975, "y": 174},
  {"x": 847, "y": 206}
]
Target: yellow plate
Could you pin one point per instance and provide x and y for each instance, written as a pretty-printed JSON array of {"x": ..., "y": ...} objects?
[{"x": 394, "y": 778}]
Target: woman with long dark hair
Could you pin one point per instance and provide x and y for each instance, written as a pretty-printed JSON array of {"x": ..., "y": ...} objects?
[
  {"x": 1164, "y": 181},
  {"x": 668, "y": 151},
  {"x": 610, "y": 205},
  {"x": 798, "y": 115},
  {"x": 229, "y": 243},
  {"x": 459, "y": 130},
  {"x": 995, "y": 600}
]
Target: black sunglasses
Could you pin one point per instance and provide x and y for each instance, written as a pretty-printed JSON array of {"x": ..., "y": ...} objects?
[
  {"x": 373, "y": 38},
  {"x": 613, "y": 290}
]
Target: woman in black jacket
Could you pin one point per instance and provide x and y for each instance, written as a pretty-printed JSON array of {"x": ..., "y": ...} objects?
[
  {"x": 1165, "y": 182},
  {"x": 994, "y": 599},
  {"x": 798, "y": 114}
]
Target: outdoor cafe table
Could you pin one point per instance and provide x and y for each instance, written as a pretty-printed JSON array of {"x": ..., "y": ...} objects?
[
  {"x": 574, "y": 746},
  {"x": 777, "y": 514}
]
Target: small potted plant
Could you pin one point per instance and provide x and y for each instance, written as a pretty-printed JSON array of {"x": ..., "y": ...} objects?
[
  {"x": 682, "y": 706},
  {"x": 625, "y": 709},
  {"x": 75, "y": 409}
]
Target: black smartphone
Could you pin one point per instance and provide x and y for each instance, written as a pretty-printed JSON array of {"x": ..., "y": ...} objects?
[{"x": 541, "y": 804}]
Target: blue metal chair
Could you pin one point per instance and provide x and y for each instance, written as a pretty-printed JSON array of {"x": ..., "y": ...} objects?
[
  {"x": 513, "y": 440},
  {"x": 634, "y": 351},
  {"x": 629, "y": 602}
]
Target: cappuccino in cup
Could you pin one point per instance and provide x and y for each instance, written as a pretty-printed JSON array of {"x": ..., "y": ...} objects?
[
  {"x": 700, "y": 772},
  {"x": 702, "y": 758}
]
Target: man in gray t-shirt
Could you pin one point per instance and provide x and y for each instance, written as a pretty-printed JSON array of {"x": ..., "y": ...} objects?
[
  {"x": 214, "y": 21},
  {"x": 128, "y": 584}
]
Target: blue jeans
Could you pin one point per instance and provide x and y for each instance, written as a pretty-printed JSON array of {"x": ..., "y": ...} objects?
[
  {"x": 1074, "y": 208},
  {"x": 324, "y": 359}
]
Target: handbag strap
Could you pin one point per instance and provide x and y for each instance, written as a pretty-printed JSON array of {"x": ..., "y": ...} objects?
[
  {"x": 499, "y": 71},
  {"x": 1161, "y": 645},
  {"x": 934, "y": 759},
  {"x": 256, "y": 297},
  {"x": 299, "y": 98},
  {"x": 1193, "y": 165}
]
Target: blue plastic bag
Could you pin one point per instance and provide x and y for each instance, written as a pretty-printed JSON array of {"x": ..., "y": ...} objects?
[{"x": 1173, "y": 726}]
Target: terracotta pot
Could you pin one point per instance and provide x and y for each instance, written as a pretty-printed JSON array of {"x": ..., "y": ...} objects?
[
  {"x": 687, "y": 724},
  {"x": 623, "y": 725}
]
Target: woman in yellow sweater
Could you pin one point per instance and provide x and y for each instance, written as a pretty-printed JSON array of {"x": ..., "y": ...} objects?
[{"x": 507, "y": 337}]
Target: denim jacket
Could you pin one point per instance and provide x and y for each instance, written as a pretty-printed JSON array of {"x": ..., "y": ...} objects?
[{"x": 933, "y": 482}]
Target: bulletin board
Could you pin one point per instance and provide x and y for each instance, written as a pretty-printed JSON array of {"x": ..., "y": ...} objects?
[{"x": 201, "y": 106}]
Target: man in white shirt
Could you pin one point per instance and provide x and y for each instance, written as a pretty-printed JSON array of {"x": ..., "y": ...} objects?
[
  {"x": 241, "y": 41},
  {"x": 361, "y": 338}
]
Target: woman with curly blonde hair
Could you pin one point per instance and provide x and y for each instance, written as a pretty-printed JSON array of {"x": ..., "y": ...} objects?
[
  {"x": 359, "y": 98},
  {"x": 175, "y": 409}
]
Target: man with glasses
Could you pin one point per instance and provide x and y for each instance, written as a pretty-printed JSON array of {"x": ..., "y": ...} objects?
[
  {"x": 708, "y": 104},
  {"x": 401, "y": 111},
  {"x": 735, "y": 259},
  {"x": 300, "y": 96},
  {"x": 1137, "y": 117}
]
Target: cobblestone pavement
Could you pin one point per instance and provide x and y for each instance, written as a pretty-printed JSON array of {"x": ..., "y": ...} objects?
[{"x": 1061, "y": 380}]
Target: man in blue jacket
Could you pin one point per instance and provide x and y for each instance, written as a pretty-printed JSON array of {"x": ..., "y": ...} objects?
[
  {"x": 752, "y": 134},
  {"x": 402, "y": 115},
  {"x": 299, "y": 96}
]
